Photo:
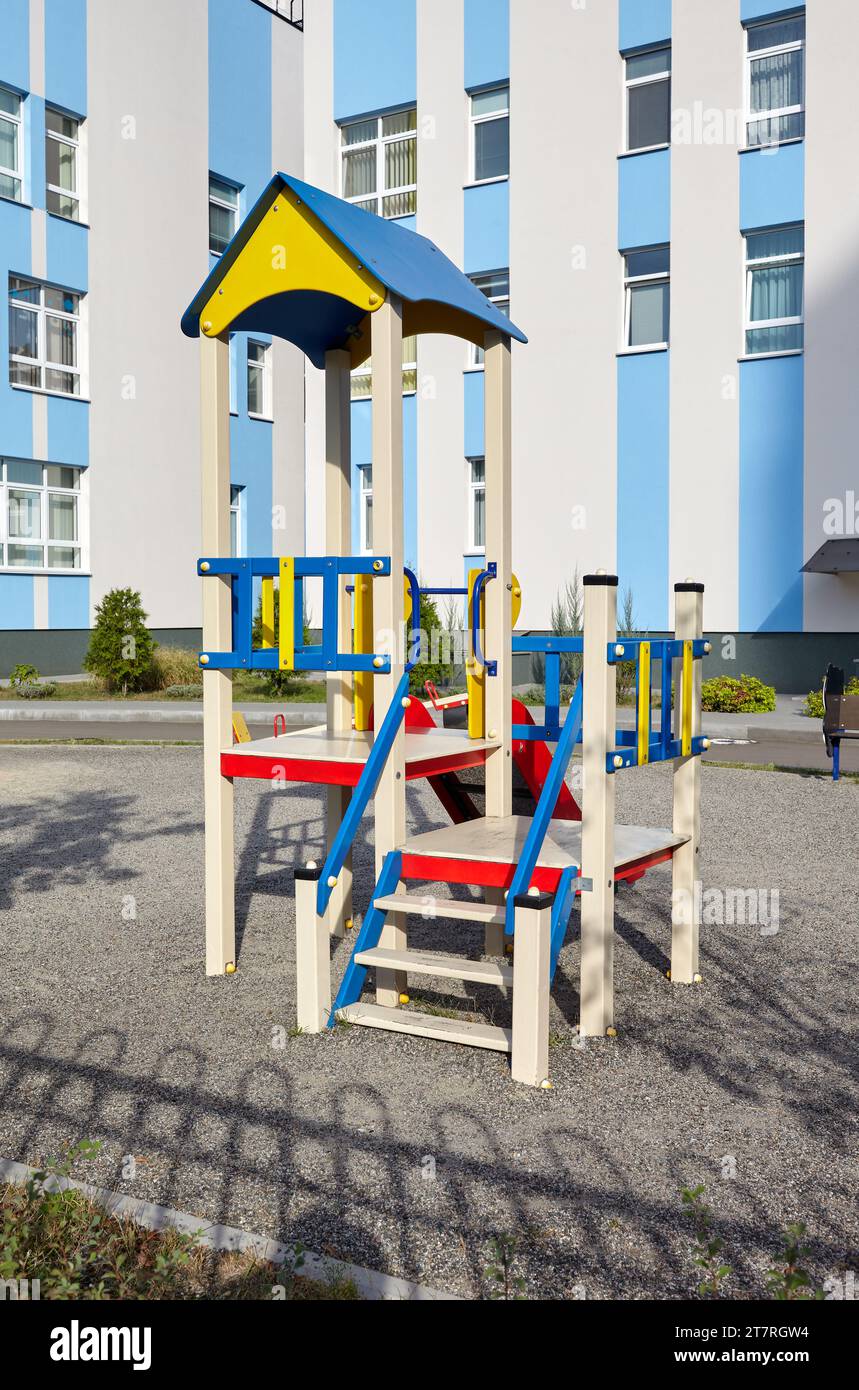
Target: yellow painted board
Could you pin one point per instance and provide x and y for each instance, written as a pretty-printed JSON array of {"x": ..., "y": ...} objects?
[
  {"x": 644, "y": 704},
  {"x": 517, "y": 601},
  {"x": 287, "y": 613},
  {"x": 241, "y": 732},
  {"x": 363, "y": 702},
  {"x": 475, "y": 674},
  {"x": 686, "y": 727},
  {"x": 268, "y": 634}
]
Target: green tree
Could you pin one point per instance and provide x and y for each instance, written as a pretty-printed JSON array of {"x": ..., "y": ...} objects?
[
  {"x": 121, "y": 646},
  {"x": 435, "y": 664}
]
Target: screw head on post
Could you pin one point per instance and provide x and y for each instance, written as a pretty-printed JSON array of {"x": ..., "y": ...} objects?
[
  {"x": 205, "y": 566},
  {"x": 378, "y": 662},
  {"x": 619, "y": 650},
  {"x": 708, "y": 647},
  {"x": 204, "y": 660},
  {"x": 377, "y": 565},
  {"x": 618, "y": 761},
  {"x": 332, "y": 882},
  {"x": 311, "y": 864}
]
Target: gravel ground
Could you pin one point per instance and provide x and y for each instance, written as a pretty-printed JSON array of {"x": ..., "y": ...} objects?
[{"x": 405, "y": 1155}]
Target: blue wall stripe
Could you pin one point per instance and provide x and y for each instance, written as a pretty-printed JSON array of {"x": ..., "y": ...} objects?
[
  {"x": 487, "y": 227},
  {"x": 15, "y": 53},
  {"x": 772, "y": 186},
  {"x": 475, "y": 396},
  {"x": 643, "y": 395},
  {"x": 644, "y": 200},
  {"x": 644, "y": 22},
  {"x": 765, "y": 9},
  {"x": 771, "y": 494},
  {"x": 68, "y": 259},
  {"x": 16, "y": 602},
  {"x": 68, "y": 431},
  {"x": 375, "y": 56},
  {"x": 66, "y": 54},
  {"x": 68, "y": 601},
  {"x": 487, "y": 42}
]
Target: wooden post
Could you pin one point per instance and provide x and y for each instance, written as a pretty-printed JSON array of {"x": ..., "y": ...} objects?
[
  {"x": 498, "y": 636},
  {"x": 217, "y": 636},
  {"x": 529, "y": 1062},
  {"x": 338, "y": 541},
  {"x": 388, "y": 603},
  {"x": 600, "y": 708},
  {"x": 312, "y": 955},
  {"x": 688, "y": 625}
]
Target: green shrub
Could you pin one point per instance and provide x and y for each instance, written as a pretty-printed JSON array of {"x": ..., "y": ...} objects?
[
  {"x": 23, "y": 674},
  {"x": 174, "y": 666},
  {"x": 121, "y": 646},
  {"x": 727, "y": 695},
  {"x": 433, "y": 643},
  {"x": 36, "y": 690},
  {"x": 184, "y": 692},
  {"x": 813, "y": 706}
]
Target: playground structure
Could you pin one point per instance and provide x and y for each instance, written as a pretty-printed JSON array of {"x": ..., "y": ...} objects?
[
  {"x": 840, "y": 716},
  {"x": 343, "y": 285}
]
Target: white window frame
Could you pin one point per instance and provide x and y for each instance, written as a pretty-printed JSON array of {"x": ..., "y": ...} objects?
[
  {"x": 233, "y": 209},
  {"x": 237, "y": 507},
  {"x": 633, "y": 82},
  {"x": 476, "y": 487},
  {"x": 40, "y": 361},
  {"x": 366, "y": 495},
  {"x": 79, "y": 145},
  {"x": 380, "y": 141},
  {"x": 17, "y": 120},
  {"x": 753, "y": 56},
  {"x": 474, "y": 122},
  {"x": 476, "y": 354},
  {"x": 267, "y": 412},
  {"x": 45, "y": 490},
  {"x": 756, "y": 325},
  {"x": 629, "y": 283}
]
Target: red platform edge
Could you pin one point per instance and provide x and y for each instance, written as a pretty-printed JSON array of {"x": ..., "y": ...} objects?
[
  {"x": 432, "y": 868},
  {"x": 334, "y": 774}
]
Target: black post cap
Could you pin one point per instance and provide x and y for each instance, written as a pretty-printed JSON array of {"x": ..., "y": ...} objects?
[
  {"x": 305, "y": 875},
  {"x": 603, "y": 581},
  {"x": 688, "y": 588},
  {"x": 537, "y": 902}
]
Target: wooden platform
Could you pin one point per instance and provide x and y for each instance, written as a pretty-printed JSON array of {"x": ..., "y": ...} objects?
[{"x": 326, "y": 759}]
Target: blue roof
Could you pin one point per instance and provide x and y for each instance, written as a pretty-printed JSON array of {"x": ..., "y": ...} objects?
[{"x": 407, "y": 264}]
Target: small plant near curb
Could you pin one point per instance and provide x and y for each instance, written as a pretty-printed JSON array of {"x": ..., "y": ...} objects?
[
  {"x": 727, "y": 695},
  {"x": 508, "y": 1286},
  {"x": 121, "y": 646},
  {"x": 788, "y": 1283},
  {"x": 707, "y": 1248},
  {"x": 813, "y": 707},
  {"x": 37, "y": 690},
  {"x": 184, "y": 692},
  {"x": 23, "y": 674}
]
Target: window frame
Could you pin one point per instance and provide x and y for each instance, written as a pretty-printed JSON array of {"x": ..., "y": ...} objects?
[
  {"x": 630, "y": 282},
  {"x": 629, "y": 84},
  {"x": 751, "y": 325},
  {"x": 41, "y": 361},
  {"x": 476, "y": 354},
  {"x": 237, "y": 506},
  {"x": 265, "y": 368},
  {"x": 365, "y": 497},
  {"x": 79, "y": 145},
  {"x": 234, "y": 210},
  {"x": 476, "y": 488},
  {"x": 797, "y": 45},
  {"x": 45, "y": 491},
  {"x": 474, "y": 122},
  {"x": 380, "y": 141},
  {"x": 17, "y": 120}
]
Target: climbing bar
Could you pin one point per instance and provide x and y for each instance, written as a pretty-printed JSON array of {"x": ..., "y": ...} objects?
[
  {"x": 642, "y": 713},
  {"x": 553, "y": 649},
  {"x": 629, "y": 648},
  {"x": 477, "y": 619},
  {"x": 287, "y": 614},
  {"x": 268, "y": 633},
  {"x": 686, "y": 701}
]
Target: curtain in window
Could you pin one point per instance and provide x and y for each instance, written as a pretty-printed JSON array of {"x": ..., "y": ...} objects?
[
  {"x": 62, "y": 518},
  {"x": 777, "y": 81},
  {"x": 401, "y": 163},
  {"x": 777, "y": 292},
  {"x": 25, "y": 515},
  {"x": 359, "y": 173}
]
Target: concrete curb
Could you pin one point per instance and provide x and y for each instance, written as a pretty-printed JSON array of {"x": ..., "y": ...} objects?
[
  {"x": 172, "y": 712},
  {"x": 370, "y": 1284}
]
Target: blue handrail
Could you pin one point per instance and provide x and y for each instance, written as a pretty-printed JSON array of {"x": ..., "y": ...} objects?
[
  {"x": 383, "y": 742},
  {"x": 415, "y": 625},
  {"x": 546, "y": 805},
  {"x": 490, "y": 667}
]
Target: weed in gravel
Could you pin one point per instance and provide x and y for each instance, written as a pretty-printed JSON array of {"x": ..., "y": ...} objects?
[
  {"x": 707, "y": 1248},
  {"x": 508, "y": 1286},
  {"x": 788, "y": 1282}
]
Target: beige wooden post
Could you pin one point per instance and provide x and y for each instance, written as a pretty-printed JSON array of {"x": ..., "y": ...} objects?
[
  {"x": 338, "y": 541},
  {"x": 312, "y": 955},
  {"x": 600, "y": 708},
  {"x": 499, "y": 591},
  {"x": 529, "y": 1061},
  {"x": 388, "y": 603},
  {"x": 688, "y": 625},
  {"x": 217, "y": 637}
]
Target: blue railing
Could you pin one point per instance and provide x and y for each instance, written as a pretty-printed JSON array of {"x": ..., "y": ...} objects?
[{"x": 553, "y": 649}]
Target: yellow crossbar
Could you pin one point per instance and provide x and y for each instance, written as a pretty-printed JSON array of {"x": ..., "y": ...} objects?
[
  {"x": 363, "y": 647},
  {"x": 268, "y": 635},
  {"x": 686, "y": 727},
  {"x": 644, "y": 704},
  {"x": 287, "y": 613}
]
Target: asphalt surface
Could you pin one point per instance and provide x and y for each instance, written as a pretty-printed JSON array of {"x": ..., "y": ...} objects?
[{"x": 405, "y": 1155}]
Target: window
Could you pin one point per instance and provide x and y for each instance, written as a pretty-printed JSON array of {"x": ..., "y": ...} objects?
[
  {"x": 362, "y": 377},
  {"x": 62, "y": 164},
  {"x": 648, "y": 99},
  {"x": 223, "y": 214},
  {"x": 647, "y": 298},
  {"x": 477, "y": 505},
  {"x": 366, "y": 510},
  {"x": 259, "y": 379},
  {"x": 10, "y": 144},
  {"x": 490, "y": 135},
  {"x": 775, "y": 81},
  {"x": 496, "y": 286},
  {"x": 40, "y": 521},
  {"x": 380, "y": 164},
  {"x": 44, "y": 324},
  {"x": 236, "y": 506},
  {"x": 774, "y": 290}
]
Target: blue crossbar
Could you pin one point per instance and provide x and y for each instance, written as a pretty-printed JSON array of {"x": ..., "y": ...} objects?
[
  {"x": 383, "y": 742},
  {"x": 545, "y": 806},
  {"x": 561, "y": 909}
]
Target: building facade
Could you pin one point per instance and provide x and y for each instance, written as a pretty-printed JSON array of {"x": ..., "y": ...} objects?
[{"x": 655, "y": 190}]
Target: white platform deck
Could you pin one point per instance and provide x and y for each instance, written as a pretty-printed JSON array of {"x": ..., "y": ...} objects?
[
  {"x": 502, "y": 840},
  {"x": 318, "y": 745}
]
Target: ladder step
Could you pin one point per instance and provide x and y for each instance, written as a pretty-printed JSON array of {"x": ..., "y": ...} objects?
[
  {"x": 487, "y": 914},
  {"x": 484, "y": 972},
  {"x": 427, "y": 1026}
]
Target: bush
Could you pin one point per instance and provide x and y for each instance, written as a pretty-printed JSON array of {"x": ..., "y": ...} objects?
[
  {"x": 23, "y": 674},
  {"x": 121, "y": 646},
  {"x": 433, "y": 644},
  {"x": 813, "y": 707},
  {"x": 36, "y": 690},
  {"x": 726, "y": 695},
  {"x": 173, "y": 666},
  {"x": 184, "y": 692}
]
